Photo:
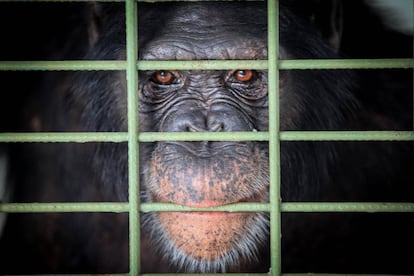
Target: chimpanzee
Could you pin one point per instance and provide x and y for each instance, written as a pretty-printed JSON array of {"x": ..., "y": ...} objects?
[{"x": 205, "y": 174}]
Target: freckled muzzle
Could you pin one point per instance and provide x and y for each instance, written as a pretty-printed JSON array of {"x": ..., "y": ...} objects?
[{"x": 183, "y": 178}]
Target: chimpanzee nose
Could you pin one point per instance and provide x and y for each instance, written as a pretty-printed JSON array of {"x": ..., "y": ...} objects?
[
  {"x": 217, "y": 118},
  {"x": 197, "y": 122},
  {"x": 215, "y": 122},
  {"x": 222, "y": 117}
]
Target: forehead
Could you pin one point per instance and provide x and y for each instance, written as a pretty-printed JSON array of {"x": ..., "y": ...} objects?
[{"x": 206, "y": 30}]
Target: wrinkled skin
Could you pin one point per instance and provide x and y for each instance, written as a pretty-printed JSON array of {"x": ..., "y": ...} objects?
[
  {"x": 205, "y": 174},
  {"x": 208, "y": 174},
  {"x": 195, "y": 174}
]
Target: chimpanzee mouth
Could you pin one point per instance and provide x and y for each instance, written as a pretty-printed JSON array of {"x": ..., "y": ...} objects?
[
  {"x": 208, "y": 241},
  {"x": 207, "y": 149},
  {"x": 259, "y": 196}
]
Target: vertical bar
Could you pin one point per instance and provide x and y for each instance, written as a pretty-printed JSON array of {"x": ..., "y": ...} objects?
[
  {"x": 274, "y": 142},
  {"x": 133, "y": 149}
]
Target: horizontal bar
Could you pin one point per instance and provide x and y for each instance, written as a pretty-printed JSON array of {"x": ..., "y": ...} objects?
[
  {"x": 347, "y": 135},
  {"x": 63, "y": 1},
  {"x": 116, "y": 137},
  {"x": 207, "y": 64},
  {"x": 335, "y": 274},
  {"x": 346, "y": 64},
  {"x": 108, "y": 274},
  {"x": 288, "y": 207},
  {"x": 76, "y": 137},
  {"x": 235, "y": 207},
  {"x": 283, "y": 64},
  {"x": 106, "y": 207},
  {"x": 367, "y": 207},
  {"x": 83, "y": 137},
  {"x": 230, "y": 274},
  {"x": 267, "y": 274},
  {"x": 119, "y": 207},
  {"x": 204, "y": 136},
  {"x": 201, "y": 64},
  {"x": 123, "y": 207},
  {"x": 148, "y": 1},
  {"x": 141, "y": 65},
  {"x": 62, "y": 65},
  {"x": 207, "y": 274}
]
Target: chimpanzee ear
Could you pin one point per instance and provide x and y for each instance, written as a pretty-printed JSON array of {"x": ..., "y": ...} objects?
[
  {"x": 328, "y": 16},
  {"x": 94, "y": 22}
]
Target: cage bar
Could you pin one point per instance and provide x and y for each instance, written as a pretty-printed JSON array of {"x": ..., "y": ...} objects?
[
  {"x": 300, "y": 64},
  {"x": 133, "y": 145},
  {"x": 123, "y": 207},
  {"x": 274, "y": 144},
  {"x": 117, "y": 137}
]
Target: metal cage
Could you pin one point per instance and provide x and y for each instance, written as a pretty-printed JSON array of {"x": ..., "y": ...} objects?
[{"x": 274, "y": 136}]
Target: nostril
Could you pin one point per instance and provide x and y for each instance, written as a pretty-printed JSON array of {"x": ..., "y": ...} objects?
[
  {"x": 193, "y": 128},
  {"x": 217, "y": 127},
  {"x": 182, "y": 121}
]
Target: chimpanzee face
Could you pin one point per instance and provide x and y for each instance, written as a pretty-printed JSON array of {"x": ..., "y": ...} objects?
[{"x": 205, "y": 174}]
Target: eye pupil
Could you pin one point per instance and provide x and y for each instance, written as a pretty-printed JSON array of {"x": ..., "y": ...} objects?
[
  {"x": 164, "y": 77},
  {"x": 243, "y": 75}
]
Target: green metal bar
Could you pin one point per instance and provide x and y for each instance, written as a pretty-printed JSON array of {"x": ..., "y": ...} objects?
[
  {"x": 366, "y": 207},
  {"x": 77, "y": 65},
  {"x": 347, "y": 136},
  {"x": 116, "y": 137},
  {"x": 118, "y": 274},
  {"x": 266, "y": 274},
  {"x": 203, "y": 136},
  {"x": 63, "y": 1},
  {"x": 336, "y": 274},
  {"x": 284, "y": 136},
  {"x": 133, "y": 146},
  {"x": 148, "y": 1},
  {"x": 202, "y": 64},
  {"x": 274, "y": 144},
  {"x": 64, "y": 137},
  {"x": 207, "y": 64},
  {"x": 63, "y": 207},
  {"x": 232, "y": 274},
  {"x": 67, "y": 65},
  {"x": 236, "y": 207},
  {"x": 283, "y": 64},
  {"x": 346, "y": 64},
  {"x": 205, "y": 274},
  {"x": 123, "y": 207}
]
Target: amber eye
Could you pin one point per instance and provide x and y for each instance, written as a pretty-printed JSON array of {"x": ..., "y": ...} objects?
[
  {"x": 243, "y": 75},
  {"x": 164, "y": 77}
]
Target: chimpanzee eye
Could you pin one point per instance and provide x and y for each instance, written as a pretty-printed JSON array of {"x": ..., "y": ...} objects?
[
  {"x": 164, "y": 77},
  {"x": 244, "y": 75}
]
